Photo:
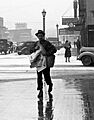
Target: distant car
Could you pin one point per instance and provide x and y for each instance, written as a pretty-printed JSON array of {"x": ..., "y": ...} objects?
[
  {"x": 25, "y": 48},
  {"x": 86, "y": 56},
  {"x": 3, "y": 46}
]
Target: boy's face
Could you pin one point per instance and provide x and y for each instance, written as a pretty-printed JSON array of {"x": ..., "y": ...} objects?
[{"x": 40, "y": 36}]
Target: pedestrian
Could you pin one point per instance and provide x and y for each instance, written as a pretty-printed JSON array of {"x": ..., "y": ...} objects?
[
  {"x": 46, "y": 50},
  {"x": 78, "y": 44},
  {"x": 67, "y": 47}
]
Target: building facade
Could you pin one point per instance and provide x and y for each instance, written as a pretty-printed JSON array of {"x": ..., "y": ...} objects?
[
  {"x": 3, "y": 29},
  {"x": 86, "y": 18},
  {"x": 21, "y": 33},
  {"x": 90, "y": 12},
  {"x": 19, "y": 26}
]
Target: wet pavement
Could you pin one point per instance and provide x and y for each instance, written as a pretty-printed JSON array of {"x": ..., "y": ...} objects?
[
  {"x": 72, "y": 97},
  {"x": 69, "y": 100}
]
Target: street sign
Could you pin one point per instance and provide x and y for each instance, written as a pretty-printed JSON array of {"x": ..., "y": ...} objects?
[
  {"x": 63, "y": 31},
  {"x": 68, "y": 21}
]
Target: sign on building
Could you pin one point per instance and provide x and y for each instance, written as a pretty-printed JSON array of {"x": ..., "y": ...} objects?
[
  {"x": 63, "y": 31},
  {"x": 68, "y": 21}
]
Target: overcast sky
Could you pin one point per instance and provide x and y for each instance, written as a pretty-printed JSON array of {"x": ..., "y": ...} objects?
[{"x": 29, "y": 11}]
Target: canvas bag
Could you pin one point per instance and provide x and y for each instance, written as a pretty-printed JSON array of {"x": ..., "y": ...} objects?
[{"x": 50, "y": 60}]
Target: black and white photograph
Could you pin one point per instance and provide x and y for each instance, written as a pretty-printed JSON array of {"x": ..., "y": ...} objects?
[{"x": 46, "y": 60}]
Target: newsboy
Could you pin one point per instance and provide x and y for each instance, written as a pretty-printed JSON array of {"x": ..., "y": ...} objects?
[{"x": 46, "y": 49}]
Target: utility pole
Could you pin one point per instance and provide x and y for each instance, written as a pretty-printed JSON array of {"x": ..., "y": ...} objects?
[
  {"x": 57, "y": 34},
  {"x": 44, "y": 14}
]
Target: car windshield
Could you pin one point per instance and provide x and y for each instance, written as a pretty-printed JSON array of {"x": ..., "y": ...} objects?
[{"x": 20, "y": 44}]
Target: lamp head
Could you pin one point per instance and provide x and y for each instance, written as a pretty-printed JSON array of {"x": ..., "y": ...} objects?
[{"x": 43, "y": 12}]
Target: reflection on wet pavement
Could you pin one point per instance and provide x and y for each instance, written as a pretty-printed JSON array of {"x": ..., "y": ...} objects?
[
  {"x": 68, "y": 104},
  {"x": 71, "y": 99},
  {"x": 45, "y": 113},
  {"x": 87, "y": 90},
  {"x": 75, "y": 100},
  {"x": 40, "y": 109}
]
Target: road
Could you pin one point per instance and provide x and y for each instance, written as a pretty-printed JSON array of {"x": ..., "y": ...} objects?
[{"x": 72, "y": 95}]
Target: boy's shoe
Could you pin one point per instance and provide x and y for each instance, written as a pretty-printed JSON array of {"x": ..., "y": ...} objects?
[
  {"x": 50, "y": 88},
  {"x": 40, "y": 94}
]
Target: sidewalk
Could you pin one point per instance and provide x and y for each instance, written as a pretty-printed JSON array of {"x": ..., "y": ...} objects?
[
  {"x": 21, "y": 67},
  {"x": 60, "y": 60}
]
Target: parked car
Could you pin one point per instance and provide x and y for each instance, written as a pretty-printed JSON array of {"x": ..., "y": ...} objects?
[
  {"x": 25, "y": 48},
  {"x": 3, "y": 46},
  {"x": 86, "y": 56}
]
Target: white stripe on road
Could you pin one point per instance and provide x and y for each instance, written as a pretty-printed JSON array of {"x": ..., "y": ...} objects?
[
  {"x": 24, "y": 69},
  {"x": 72, "y": 68}
]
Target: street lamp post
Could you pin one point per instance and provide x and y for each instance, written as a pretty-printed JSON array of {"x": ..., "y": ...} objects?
[
  {"x": 57, "y": 34},
  {"x": 44, "y": 14}
]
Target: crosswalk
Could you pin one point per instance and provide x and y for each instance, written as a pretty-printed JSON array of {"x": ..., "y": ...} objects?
[{"x": 18, "y": 67}]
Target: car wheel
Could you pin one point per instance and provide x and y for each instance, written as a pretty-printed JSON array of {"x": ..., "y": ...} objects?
[
  {"x": 19, "y": 53},
  {"x": 86, "y": 60}
]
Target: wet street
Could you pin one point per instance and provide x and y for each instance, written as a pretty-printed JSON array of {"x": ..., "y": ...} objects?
[{"x": 72, "y": 97}]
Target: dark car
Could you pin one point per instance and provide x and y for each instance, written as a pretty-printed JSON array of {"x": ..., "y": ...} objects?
[
  {"x": 25, "y": 48},
  {"x": 86, "y": 56},
  {"x": 3, "y": 46}
]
